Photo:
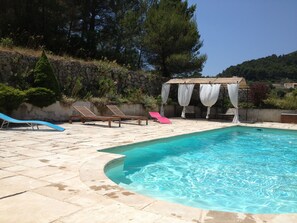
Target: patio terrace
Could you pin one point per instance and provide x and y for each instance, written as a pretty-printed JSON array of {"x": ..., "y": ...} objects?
[{"x": 48, "y": 176}]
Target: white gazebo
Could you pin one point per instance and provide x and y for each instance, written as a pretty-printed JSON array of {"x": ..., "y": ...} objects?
[{"x": 209, "y": 91}]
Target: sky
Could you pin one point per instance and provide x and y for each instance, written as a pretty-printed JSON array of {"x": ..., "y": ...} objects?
[{"x": 234, "y": 31}]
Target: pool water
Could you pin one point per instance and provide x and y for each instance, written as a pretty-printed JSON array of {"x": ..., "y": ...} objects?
[{"x": 237, "y": 169}]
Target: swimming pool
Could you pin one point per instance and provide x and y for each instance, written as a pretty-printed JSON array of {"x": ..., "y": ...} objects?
[{"x": 238, "y": 169}]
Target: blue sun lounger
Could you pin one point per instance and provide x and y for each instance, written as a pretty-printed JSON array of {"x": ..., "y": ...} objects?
[{"x": 6, "y": 120}]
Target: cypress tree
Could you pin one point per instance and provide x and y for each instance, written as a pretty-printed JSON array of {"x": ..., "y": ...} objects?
[{"x": 44, "y": 76}]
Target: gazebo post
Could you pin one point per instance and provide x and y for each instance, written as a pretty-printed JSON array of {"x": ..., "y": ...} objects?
[{"x": 240, "y": 81}]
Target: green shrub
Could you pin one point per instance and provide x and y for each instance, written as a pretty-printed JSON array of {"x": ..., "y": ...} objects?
[
  {"x": 22, "y": 80},
  {"x": 134, "y": 95},
  {"x": 281, "y": 93},
  {"x": 6, "y": 42},
  {"x": 44, "y": 76},
  {"x": 246, "y": 105},
  {"x": 76, "y": 88},
  {"x": 106, "y": 87},
  {"x": 289, "y": 101},
  {"x": 10, "y": 98},
  {"x": 150, "y": 103},
  {"x": 40, "y": 97},
  {"x": 100, "y": 103},
  {"x": 294, "y": 93},
  {"x": 67, "y": 101},
  {"x": 119, "y": 99}
]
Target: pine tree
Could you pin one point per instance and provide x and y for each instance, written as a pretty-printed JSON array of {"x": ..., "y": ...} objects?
[{"x": 172, "y": 40}]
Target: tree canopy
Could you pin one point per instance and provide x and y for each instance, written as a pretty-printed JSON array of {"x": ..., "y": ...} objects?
[
  {"x": 272, "y": 68},
  {"x": 171, "y": 38},
  {"x": 117, "y": 30}
]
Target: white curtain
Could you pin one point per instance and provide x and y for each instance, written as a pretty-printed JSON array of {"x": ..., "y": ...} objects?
[
  {"x": 164, "y": 96},
  {"x": 184, "y": 96},
  {"x": 233, "y": 95},
  {"x": 209, "y": 94}
]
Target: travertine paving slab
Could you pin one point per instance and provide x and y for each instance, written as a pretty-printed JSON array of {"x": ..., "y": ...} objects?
[
  {"x": 32, "y": 162},
  {"x": 17, "y": 168},
  {"x": 34, "y": 153},
  {"x": 30, "y": 208},
  {"x": 63, "y": 190},
  {"x": 6, "y": 153},
  {"x": 88, "y": 198},
  {"x": 120, "y": 214},
  {"x": 171, "y": 220},
  {"x": 4, "y": 174},
  {"x": 16, "y": 142},
  {"x": 5, "y": 164},
  {"x": 16, "y": 157},
  {"x": 39, "y": 172},
  {"x": 18, "y": 184},
  {"x": 58, "y": 191},
  {"x": 58, "y": 177}
]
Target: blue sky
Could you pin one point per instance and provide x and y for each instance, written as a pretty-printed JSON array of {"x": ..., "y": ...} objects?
[{"x": 234, "y": 31}]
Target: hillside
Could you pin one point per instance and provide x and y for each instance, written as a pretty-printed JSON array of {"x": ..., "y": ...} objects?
[
  {"x": 77, "y": 77},
  {"x": 272, "y": 68}
]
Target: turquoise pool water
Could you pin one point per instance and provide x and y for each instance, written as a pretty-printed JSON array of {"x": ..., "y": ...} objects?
[{"x": 237, "y": 169}]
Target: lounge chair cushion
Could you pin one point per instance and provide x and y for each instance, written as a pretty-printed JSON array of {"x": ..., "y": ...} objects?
[{"x": 159, "y": 118}]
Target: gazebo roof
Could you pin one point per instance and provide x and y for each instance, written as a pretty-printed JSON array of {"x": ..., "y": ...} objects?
[{"x": 215, "y": 80}]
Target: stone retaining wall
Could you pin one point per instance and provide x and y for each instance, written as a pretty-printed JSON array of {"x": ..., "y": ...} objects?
[
  {"x": 263, "y": 115},
  {"x": 60, "y": 113},
  {"x": 13, "y": 62}
]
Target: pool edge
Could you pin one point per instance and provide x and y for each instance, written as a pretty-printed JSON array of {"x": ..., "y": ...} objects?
[{"x": 113, "y": 191}]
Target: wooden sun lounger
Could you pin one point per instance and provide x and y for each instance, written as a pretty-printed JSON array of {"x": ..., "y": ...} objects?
[
  {"x": 118, "y": 113},
  {"x": 87, "y": 115}
]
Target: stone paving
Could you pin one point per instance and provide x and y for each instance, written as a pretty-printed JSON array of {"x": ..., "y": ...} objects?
[{"x": 58, "y": 177}]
